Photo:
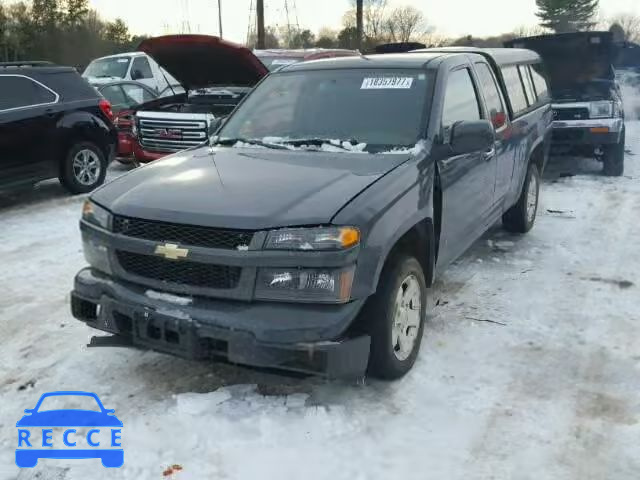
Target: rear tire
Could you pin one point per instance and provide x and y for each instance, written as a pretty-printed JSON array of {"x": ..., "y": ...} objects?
[
  {"x": 84, "y": 168},
  {"x": 521, "y": 217},
  {"x": 613, "y": 158},
  {"x": 395, "y": 318}
]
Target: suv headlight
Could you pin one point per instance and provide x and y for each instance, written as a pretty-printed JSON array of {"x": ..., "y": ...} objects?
[
  {"x": 313, "y": 239},
  {"x": 601, "y": 109},
  {"x": 96, "y": 215},
  {"x": 312, "y": 285}
]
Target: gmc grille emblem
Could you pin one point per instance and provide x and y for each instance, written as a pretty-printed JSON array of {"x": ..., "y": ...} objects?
[{"x": 168, "y": 133}]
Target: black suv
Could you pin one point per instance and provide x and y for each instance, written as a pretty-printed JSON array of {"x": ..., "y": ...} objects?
[{"x": 52, "y": 124}]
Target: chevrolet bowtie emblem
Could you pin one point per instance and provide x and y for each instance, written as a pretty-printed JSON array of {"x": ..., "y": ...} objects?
[{"x": 171, "y": 251}]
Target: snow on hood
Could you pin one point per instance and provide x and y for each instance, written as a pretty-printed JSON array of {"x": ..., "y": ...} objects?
[
  {"x": 200, "y": 61},
  {"x": 332, "y": 146}
]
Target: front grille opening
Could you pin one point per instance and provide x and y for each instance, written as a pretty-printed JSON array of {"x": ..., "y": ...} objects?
[
  {"x": 83, "y": 309},
  {"x": 182, "y": 234},
  {"x": 124, "y": 324},
  {"x": 219, "y": 277}
]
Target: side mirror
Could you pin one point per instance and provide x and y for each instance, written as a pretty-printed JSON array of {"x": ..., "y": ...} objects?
[
  {"x": 136, "y": 74},
  {"x": 469, "y": 137}
]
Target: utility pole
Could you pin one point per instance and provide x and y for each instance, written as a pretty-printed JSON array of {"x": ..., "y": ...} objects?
[
  {"x": 260, "y": 16},
  {"x": 220, "y": 17},
  {"x": 359, "y": 23}
]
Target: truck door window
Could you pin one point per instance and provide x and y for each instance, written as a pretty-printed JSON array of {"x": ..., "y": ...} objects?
[
  {"x": 492, "y": 95},
  {"x": 540, "y": 82},
  {"x": 460, "y": 100},
  {"x": 136, "y": 94},
  {"x": 24, "y": 93},
  {"x": 528, "y": 84},
  {"x": 142, "y": 67},
  {"x": 515, "y": 89},
  {"x": 115, "y": 95}
]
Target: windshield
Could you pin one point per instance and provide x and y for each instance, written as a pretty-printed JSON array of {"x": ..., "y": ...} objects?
[
  {"x": 383, "y": 109},
  {"x": 108, "y": 67}
]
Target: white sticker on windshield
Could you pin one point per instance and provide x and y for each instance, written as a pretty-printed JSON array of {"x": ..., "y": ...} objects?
[
  {"x": 386, "y": 82},
  {"x": 122, "y": 60}
]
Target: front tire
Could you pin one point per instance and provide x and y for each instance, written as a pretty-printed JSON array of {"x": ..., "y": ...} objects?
[
  {"x": 395, "y": 317},
  {"x": 84, "y": 168},
  {"x": 613, "y": 159},
  {"x": 521, "y": 217}
]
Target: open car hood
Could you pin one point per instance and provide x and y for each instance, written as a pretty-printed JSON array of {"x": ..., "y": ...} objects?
[
  {"x": 579, "y": 65},
  {"x": 199, "y": 61}
]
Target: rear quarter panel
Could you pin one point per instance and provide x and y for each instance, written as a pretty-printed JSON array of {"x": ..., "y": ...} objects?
[
  {"x": 529, "y": 132},
  {"x": 84, "y": 121}
]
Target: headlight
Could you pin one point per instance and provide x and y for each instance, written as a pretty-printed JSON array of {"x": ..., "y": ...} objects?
[
  {"x": 617, "y": 110},
  {"x": 305, "y": 284},
  {"x": 601, "y": 110},
  {"x": 322, "y": 238},
  {"x": 96, "y": 215}
]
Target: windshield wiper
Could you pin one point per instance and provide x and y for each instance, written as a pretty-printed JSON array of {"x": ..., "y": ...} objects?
[
  {"x": 297, "y": 142},
  {"x": 250, "y": 141}
]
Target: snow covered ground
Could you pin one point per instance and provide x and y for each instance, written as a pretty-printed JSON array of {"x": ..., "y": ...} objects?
[{"x": 529, "y": 369}]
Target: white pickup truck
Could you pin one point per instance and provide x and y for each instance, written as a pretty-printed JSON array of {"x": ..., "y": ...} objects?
[{"x": 137, "y": 66}]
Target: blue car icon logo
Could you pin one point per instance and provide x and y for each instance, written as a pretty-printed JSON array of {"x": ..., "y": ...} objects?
[{"x": 103, "y": 430}]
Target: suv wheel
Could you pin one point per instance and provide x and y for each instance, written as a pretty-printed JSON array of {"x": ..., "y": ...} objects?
[
  {"x": 84, "y": 168},
  {"x": 396, "y": 316},
  {"x": 521, "y": 217},
  {"x": 613, "y": 159}
]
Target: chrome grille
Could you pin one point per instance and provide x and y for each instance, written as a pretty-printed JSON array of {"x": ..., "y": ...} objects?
[
  {"x": 171, "y": 135},
  {"x": 571, "y": 113}
]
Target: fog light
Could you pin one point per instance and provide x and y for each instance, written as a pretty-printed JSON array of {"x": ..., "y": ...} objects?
[{"x": 305, "y": 284}]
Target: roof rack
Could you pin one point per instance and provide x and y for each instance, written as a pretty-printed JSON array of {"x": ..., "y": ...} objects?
[{"x": 27, "y": 64}]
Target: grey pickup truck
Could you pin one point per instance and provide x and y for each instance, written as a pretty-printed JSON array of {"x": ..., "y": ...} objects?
[{"x": 307, "y": 234}]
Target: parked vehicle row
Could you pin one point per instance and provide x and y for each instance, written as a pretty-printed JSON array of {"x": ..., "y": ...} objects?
[{"x": 306, "y": 235}]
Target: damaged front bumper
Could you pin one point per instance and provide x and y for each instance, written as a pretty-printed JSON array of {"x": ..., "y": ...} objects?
[{"x": 294, "y": 337}]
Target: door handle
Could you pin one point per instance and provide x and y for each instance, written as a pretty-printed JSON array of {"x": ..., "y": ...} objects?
[{"x": 489, "y": 154}]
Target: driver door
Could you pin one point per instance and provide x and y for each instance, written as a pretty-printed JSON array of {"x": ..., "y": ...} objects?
[{"x": 467, "y": 180}]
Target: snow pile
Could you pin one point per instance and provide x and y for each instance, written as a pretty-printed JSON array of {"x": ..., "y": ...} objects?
[{"x": 415, "y": 150}]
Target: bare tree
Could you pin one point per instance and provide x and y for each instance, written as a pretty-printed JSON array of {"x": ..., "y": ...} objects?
[
  {"x": 373, "y": 18},
  {"x": 629, "y": 26},
  {"x": 403, "y": 23},
  {"x": 529, "y": 31}
]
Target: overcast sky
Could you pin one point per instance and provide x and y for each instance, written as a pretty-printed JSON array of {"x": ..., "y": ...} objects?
[{"x": 449, "y": 17}]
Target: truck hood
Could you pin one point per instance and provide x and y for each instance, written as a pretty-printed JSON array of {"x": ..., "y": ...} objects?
[
  {"x": 200, "y": 61},
  {"x": 250, "y": 189},
  {"x": 578, "y": 65}
]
